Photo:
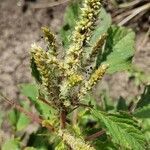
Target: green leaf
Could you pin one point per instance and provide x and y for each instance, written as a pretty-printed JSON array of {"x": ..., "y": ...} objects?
[
  {"x": 70, "y": 17},
  {"x": 146, "y": 128},
  {"x": 11, "y": 144},
  {"x": 35, "y": 73},
  {"x": 107, "y": 145},
  {"x": 46, "y": 111},
  {"x": 23, "y": 120},
  {"x": 102, "y": 27},
  {"x": 61, "y": 146},
  {"x": 143, "y": 106},
  {"x": 145, "y": 98},
  {"x": 103, "y": 24},
  {"x": 31, "y": 91},
  {"x": 123, "y": 130},
  {"x": 17, "y": 119},
  {"x": 143, "y": 112},
  {"x": 13, "y": 117},
  {"x": 119, "y": 49},
  {"x": 106, "y": 101},
  {"x": 40, "y": 140},
  {"x": 121, "y": 105}
]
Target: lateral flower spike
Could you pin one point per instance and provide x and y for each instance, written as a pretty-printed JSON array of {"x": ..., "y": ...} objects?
[
  {"x": 83, "y": 30},
  {"x": 95, "y": 77},
  {"x": 50, "y": 38},
  {"x": 95, "y": 49},
  {"x": 40, "y": 57},
  {"x": 73, "y": 142}
]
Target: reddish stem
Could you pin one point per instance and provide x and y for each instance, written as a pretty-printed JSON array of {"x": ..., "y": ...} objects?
[
  {"x": 63, "y": 119},
  {"x": 95, "y": 135},
  {"x": 45, "y": 101},
  {"x": 32, "y": 116}
]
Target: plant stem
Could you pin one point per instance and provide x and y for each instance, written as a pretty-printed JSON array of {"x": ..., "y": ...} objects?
[
  {"x": 95, "y": 135},
  {"x": 30, "y": 115},
  {"x": 45, "y": 101},
  {"x": 63, "y": 115},
  {"x": 75, "y": 117}
]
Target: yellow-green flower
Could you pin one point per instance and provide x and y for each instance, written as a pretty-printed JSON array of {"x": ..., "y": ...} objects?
[
  {"x": 50, "y": 38},
  {"x": 40, "y": 57},
  {"x": 83, "y": 31},
  {"x": 95, "y": 77}
]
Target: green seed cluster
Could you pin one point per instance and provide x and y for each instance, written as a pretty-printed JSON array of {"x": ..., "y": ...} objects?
[
  {"x": 95, "y": 50},
  {"x": 97, "y": 75},
  {"x": 40, "y": 57},
  {"x": 83, "y": 29},
  {"x": 50, "y": 38},
  {"x": 86, "y": 24},
  {"x": 63, "y": 79},
  {"x": 49, "y": 82}
]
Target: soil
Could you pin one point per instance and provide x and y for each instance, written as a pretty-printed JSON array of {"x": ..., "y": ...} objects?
[{"x": 18, "y": 30}]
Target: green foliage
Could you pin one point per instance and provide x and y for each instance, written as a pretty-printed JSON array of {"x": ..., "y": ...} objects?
[
  {"x": 122, "y": 129},
  {"x": 104, "y": 24},
  {"x": 144, "y": 112},
  {"x": 19, "y": 120},
  {"x": 70, "y": 17},
  {"x": 106, "y": 101},
  {"x": 23, "y": 121},
  {"x": 143, "y": 105},
  {"x": 121, "y": 105},
  {"x": 39, "y": 140},
  {"x": 11, "y": 144},
  {"x": 119, "y": 49},
  {"x": 146, "y": 127},
  {"x": 107, "y": 145},
  {"x": 145, "y": 98},
  {"x": 31, "y": 91},
  {"x": 61, "y": 146}
]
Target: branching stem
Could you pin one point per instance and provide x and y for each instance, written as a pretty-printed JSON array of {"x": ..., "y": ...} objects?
[
  {"x": 45, "y": 101},
  {"x": 30, "y": 115}
]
